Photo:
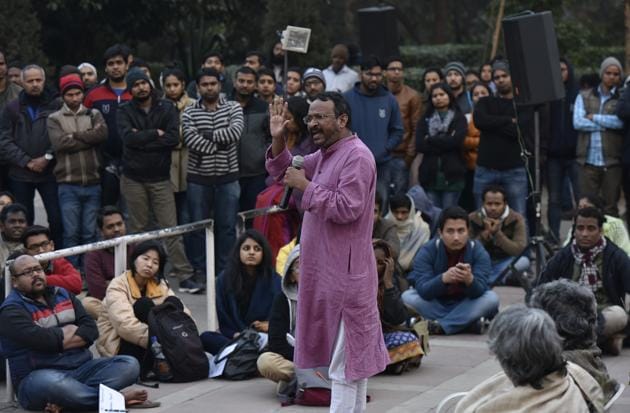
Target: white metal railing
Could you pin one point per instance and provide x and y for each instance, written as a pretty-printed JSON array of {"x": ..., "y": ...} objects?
[
  {"x": 120, "y": 265},
  {"x": 243, "y": 217}
]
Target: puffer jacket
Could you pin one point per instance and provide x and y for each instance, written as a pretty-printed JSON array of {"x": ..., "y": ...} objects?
[
  {"x": 76, "y": 137},
  {"x": 118, "y": 319}
]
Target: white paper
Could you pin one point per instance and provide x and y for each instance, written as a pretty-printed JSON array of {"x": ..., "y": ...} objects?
[
  {"x": 110, "y": 401},
  {"x": 216, "y": 369}
]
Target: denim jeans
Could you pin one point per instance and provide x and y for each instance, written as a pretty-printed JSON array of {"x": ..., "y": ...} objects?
[
  {"x": 77, "y": 389},
  {"x": 453, "y": 316},
  {"x": 514, "y": 181},
  {"x": 222, "y": 199},
  {"x": 25, "y": 194},
  {"x": 444, "y": 199},
  {"x": 392, "y": 178},
  {"x": 557, "y": 172},
  {"x": 80, "y": 206}
]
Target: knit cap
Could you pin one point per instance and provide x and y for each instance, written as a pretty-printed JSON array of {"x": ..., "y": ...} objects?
[
  {"x": 501, "y": 65},
  {"x": 610, "y": 61},
  {"x": 314, "y": 72},
  {"x": 90, "y": 65},
  {"x": 456, "y": 66},
  {"x": 136, "y": 74},
  {"x": 71, "y": 81}
]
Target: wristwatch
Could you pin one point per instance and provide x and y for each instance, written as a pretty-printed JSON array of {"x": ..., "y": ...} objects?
[{"x": 49, "y": 156}]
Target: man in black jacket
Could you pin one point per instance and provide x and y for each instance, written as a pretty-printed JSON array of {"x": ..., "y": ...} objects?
[
  {"x": 597, "y": 263},
  {"x": 499, "y": 160},
  {"x": 149, "y": 129},
  {"x": 25, "y": 146}
]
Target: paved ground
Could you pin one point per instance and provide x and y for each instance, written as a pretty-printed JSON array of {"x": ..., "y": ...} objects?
[{"x": 454, "y": 364}]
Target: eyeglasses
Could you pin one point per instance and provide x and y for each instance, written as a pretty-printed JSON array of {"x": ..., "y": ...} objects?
[
  {"x": 29, "y": 272},
  {"x": 37, "y": 247},
  {"x": 317, "y": 117}
]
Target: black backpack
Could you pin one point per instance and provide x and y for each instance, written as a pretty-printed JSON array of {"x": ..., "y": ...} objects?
[
  {"x": 241, "y": 363},
  {"x": 178, "y": 335}
]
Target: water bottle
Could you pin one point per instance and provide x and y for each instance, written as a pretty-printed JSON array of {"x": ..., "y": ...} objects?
[{"x": 161, "y": 368}]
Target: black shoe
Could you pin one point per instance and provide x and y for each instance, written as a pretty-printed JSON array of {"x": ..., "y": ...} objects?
[
  {"x": 435, "y": 329},
  {"x": 478, "y": 327},
  {"x": 190, "y": 286}
]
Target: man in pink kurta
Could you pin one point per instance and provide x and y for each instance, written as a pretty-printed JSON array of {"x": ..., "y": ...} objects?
[{"x": 337, "y": 316}]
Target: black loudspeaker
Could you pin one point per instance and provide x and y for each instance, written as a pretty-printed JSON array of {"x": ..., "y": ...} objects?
[
  {"x": 378, "y": 30},
  {"x": 532, "y": 51}
]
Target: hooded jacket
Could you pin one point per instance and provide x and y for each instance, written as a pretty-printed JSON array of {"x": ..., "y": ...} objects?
[
  {"x": 376, "y": 121},
  {"x": 283, "y": 312}
]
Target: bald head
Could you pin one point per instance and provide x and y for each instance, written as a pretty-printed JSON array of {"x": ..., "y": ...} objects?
[{"x": 27, "y": 276}]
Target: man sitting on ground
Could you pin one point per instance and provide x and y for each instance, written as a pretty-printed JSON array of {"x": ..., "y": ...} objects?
[
  {"x": 502, "y": 231},
  {"x": 46, "y": 334},
  {"x": 451, "y": 279},
  {"x": 99, "y": 264},
  {"x": 59, "y": 272},
  {"x": 595, "y": 262},
  {"x": 12, "y": 226}
]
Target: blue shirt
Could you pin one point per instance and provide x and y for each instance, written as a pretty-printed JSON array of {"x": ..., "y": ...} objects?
[{"x": 600, "y": 122}]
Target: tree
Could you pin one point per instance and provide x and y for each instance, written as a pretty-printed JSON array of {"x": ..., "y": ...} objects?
[{"x": 20, "y": 33}]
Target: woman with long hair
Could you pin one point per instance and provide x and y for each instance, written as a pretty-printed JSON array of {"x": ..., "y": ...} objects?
[
  {"x": 439, "y": 137},
  {"x": 244, "y": 291}
]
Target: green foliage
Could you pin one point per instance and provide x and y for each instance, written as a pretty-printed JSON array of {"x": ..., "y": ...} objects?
[
  {"x": 20, "y": 33},
  {"x": 439, "y": 55}
]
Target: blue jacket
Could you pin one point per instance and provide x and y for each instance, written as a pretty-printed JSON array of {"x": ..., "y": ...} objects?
[
  {"x": 31, "y": 335},
  {"x": 230, "y": 319},
  {"x": 431, "y": 262},
  {"x": 376, "y": 120}
]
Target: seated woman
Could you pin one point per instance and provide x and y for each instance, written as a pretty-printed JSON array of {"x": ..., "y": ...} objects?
[
  {"x": 122, "y": 325},
  {"x": 276, "y": 363},
  {"x": 535, "y": 376},
  {"x": 412, "y": 231},
  {"x": 244, "y": 291},
  {"x": 614, "y": 228},
  {"x": 404, "y": 347},
  {"x": 574, "y": 310}
]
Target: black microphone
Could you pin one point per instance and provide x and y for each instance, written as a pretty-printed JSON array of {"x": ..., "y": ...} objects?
[{"x": 297, "y": 163}]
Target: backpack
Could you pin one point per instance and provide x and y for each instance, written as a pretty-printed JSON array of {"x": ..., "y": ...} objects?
[
  {"x": 179, "y": 338},
  {"x": 241, "y": 362},
  {"x": 313, "y": 387}
]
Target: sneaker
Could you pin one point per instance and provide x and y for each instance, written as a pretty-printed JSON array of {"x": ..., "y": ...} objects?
[
  {"x": 190, "y": 286},
  {"x": 435, "y": 329}
]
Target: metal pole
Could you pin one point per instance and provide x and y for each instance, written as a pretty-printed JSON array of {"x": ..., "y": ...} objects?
[
  {"x": 213, "y": 323},
  {"x": 7, "y": 291},
  {"x": 120, "y": 257}
]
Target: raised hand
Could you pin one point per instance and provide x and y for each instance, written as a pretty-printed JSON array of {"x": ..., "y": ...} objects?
[{"x": 277, "y": 120}]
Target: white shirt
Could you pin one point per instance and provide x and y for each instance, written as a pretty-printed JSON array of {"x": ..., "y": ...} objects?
[{"x": 342, "y": 81}]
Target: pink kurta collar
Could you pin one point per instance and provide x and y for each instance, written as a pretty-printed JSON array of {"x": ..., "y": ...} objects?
[{"x": 332, "y": 148}]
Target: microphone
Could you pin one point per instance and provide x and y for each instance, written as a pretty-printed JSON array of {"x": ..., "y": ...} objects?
[{"x": 297, "y": 163}]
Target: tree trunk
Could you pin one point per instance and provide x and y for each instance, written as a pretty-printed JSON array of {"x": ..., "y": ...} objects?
[
  {"x": 627, "y": 26},
  {"x": 497, "y": 29},
  {"x": 440, "y": 24}
]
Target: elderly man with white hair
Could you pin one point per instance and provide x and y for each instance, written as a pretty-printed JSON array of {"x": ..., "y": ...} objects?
[{"x": 535, "y": 376}]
